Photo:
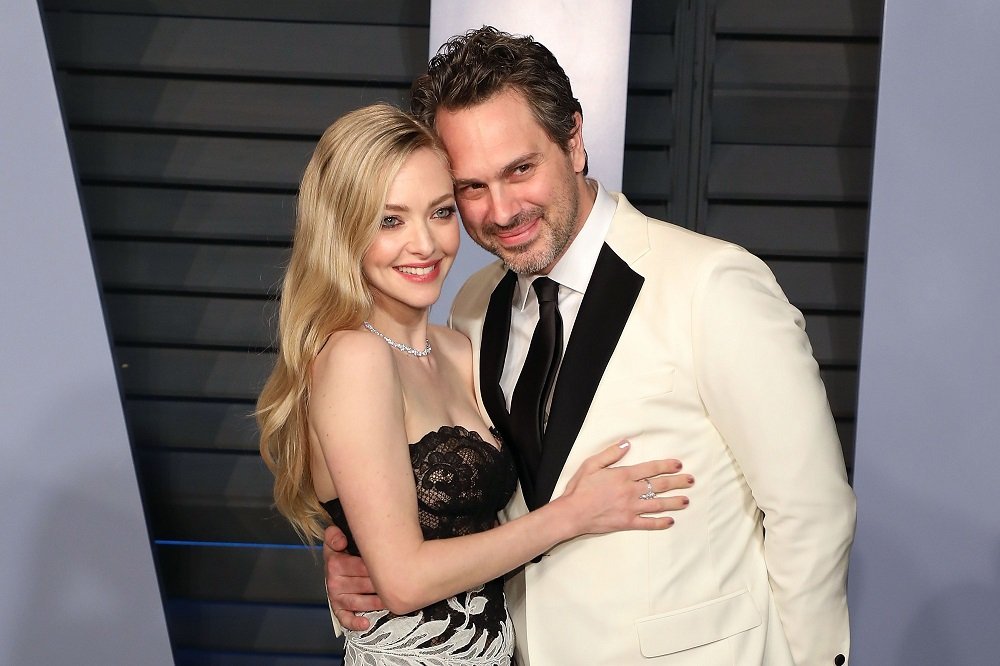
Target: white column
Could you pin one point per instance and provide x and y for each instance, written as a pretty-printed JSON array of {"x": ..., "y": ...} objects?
[{"x": 590, "y": 38}]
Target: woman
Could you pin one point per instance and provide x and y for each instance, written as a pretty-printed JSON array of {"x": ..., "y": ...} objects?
[{"x": 370, "y": 416}]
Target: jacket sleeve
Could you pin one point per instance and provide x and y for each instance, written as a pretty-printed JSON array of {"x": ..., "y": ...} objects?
[{"x": 762, "y": 390}]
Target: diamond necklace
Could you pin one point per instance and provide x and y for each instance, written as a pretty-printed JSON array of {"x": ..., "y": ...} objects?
[{"x": 419, "y": 353}]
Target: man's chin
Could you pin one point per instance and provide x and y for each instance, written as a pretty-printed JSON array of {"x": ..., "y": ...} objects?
[
  {"x": 525, "y": 263},
  {"x": 523, "y": 260}
]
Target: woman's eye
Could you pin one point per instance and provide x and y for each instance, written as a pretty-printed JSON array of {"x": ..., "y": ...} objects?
[
  {"x": 444, "y": 212},
  {"x": 390, "y": 222}
]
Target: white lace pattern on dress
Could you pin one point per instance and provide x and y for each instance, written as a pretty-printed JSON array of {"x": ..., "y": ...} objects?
[{"x": 406, "y": 640}]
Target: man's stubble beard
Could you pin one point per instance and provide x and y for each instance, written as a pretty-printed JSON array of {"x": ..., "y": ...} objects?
[{"x": 558, "y": 228}]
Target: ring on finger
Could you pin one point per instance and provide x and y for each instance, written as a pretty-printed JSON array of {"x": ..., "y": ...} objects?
[{"x": 649, "y": 494}]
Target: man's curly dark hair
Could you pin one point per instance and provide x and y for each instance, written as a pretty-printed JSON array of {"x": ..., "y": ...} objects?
[{"x": 472, "y": 68}]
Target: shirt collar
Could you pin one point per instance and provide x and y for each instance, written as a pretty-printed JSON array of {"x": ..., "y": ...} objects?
[{"x": 575, "y": 267}]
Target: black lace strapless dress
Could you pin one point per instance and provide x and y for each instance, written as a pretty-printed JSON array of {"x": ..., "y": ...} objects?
[{"x": 462, "y": 482}]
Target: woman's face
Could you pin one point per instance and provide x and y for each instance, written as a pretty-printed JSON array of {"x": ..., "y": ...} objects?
[{"x": 416, "y": 244}]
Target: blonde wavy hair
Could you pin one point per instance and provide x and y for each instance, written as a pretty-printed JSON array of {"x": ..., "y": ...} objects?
[{"x": 340, "y": 206}]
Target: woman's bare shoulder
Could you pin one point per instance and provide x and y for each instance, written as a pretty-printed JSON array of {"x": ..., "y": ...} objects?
[
  {"x": 352, "y": 354},
  {"x": 354, "y": 380}
]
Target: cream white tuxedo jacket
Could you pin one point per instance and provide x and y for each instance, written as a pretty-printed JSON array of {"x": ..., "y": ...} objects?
[{"x": 686, "y": 346}]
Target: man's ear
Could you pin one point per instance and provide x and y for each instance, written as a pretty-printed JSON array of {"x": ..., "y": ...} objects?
[{"x": 576, "y": 150}]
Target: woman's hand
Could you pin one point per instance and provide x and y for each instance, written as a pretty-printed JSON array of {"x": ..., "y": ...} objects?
[{"x": 611, "y": 499}]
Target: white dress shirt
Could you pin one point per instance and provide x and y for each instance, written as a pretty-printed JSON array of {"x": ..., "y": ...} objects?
[{"x": 572, "y": 273}]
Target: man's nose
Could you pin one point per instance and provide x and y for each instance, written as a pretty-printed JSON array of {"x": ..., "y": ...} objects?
[{"x": 503, "y": 205}]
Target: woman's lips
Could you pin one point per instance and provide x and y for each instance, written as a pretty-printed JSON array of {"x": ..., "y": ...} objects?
[{"x": 420, "y": 272}]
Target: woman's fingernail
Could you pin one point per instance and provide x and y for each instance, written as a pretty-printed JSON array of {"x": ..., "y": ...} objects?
[{"x": 625, "y": 444}]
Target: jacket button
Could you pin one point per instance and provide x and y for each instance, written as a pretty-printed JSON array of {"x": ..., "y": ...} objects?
[{"x": 839, "y": 660}]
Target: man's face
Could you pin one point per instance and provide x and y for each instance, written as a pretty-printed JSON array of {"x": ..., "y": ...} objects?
[{"x": 518, "y": 191}]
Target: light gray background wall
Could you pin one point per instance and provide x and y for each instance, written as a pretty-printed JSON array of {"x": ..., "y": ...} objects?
[
  {"x": 77, "y": 583},
  {"x": 599, "y": 77},
  {"x": 925, "y": 574}
]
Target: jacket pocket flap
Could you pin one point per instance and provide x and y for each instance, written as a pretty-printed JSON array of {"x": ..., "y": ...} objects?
[{"x": 703, "y": 623}]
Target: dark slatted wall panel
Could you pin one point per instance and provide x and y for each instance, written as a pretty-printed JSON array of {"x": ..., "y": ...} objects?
[
  {"x": 649, "y": 120},
  {"x": 791, "y": 130},
  {"x": 774, "y": 108},
  {"x": 191, "y": 122}
]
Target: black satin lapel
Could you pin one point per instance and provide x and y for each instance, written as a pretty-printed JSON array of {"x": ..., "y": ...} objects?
[
  {"x": 493, "y": 350},
  {"x": 611, "y": 294},
  {"x": 492, "y": 354}
]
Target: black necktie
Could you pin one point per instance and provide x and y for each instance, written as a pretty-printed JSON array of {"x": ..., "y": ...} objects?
[{"x": 527, "y": 407}]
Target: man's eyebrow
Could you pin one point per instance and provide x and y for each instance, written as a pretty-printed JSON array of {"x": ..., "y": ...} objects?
[
  {"x": 505, "y": 170},
  {"x": 518, "y": 161}
]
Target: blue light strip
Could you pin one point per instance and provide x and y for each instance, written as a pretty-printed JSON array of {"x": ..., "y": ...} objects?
[{"x": 234, "y": 544}]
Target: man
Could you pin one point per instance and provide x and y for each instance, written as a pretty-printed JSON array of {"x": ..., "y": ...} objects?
[{"x": 684, "y": 344}]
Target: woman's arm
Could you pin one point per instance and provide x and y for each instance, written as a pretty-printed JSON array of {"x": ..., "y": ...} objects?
[{"x": 356, "y": 411}]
